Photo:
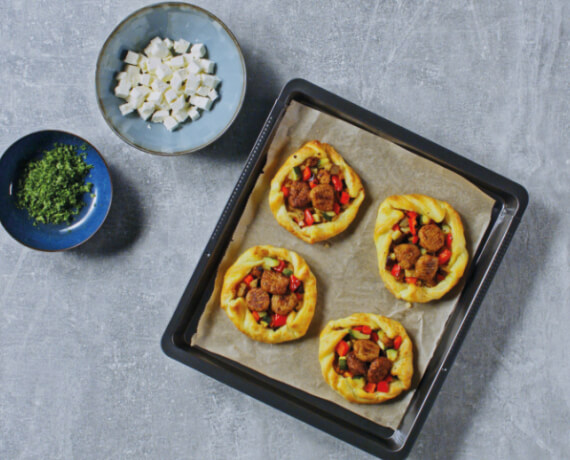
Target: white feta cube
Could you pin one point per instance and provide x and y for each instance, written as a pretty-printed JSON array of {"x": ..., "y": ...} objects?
[
  {"x": 144, "y": 90},
  {"x": 198, "y": 50},
  {"x": 211, "y": 81},
  {"x": 192, "y": 84},
  {"x": 213, "y": 95},
  {"x": 155, "y": 97},
  {"x": 146, "y": 110},
  {"x": 203, "y": 91},
  {"x": 193, "y": 68},
  {"x": 126, "y": 108},
  {"x": 159, "y": 50},
  {"x": 132, "y": 58},
  {"x": 176, "y": 81},
  {"x": 121, "y": 76},
  {"x": 153, "y": 63},
  {"x": 163, "y": 72},
  {"x": 144, "y": 79},
  {"x": 156, "y": 40},
  {"x": 178, "y": 104},
  {"x": 170, "y": 123},
  {"x": 143, "y": 64},
  {"x": 201, "y": 102},
  {"x": 194, "y": 113},
  {"x": 159, "y": 116},
  {"x": 207, "y": 65},
  {"x": 137, "y": 96},
  {"x": 123, "y": 89},
  {"x": 133, "y": 74},
  {"x": 183, "y": 74},
  {"x": 176, "y": 62},
  {"x": 180, "y": 115},
  {"x": 170, "y": 96},
  {"x": 159, "y": 85},
  {"x": 168, "y": 43},
  {"x": 181, "y": 46}
]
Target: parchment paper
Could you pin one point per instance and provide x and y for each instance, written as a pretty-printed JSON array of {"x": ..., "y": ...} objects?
[{"x": 346, "y": 267}]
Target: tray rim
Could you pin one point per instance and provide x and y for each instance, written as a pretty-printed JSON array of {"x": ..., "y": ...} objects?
[{"x": 388, "y": 443}]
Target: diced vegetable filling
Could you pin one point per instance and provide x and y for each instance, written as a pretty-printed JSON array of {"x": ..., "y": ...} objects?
[
  {"x": 315, "y": 192},
  {"x": 368, "y": 354},
  {"x": 271, "y": 291},
  {"x": 420, "y": 250}
]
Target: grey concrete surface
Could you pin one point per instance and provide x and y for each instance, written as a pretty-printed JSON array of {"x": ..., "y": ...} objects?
[{"x": 82, "y": 374}]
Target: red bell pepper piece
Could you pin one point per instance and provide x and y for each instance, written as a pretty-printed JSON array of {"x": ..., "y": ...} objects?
[
  {"x": 280, "y": 267},
  {"x": 396, "y": 270},
  {"x": 366, "y": 330},
  {"x": 439, "y": 277},
  {"x": 370, "y": 387},
  {"x": 342, "y": 348},
  {"x": 444, "y": 256},
  {"x": 313, "y": 184},
  {"x": 278, "y": 320},
  {"x": 374, "y": 337},
  {"x": 388, "y": 379},
  {"x": 248, "y": 279},
  {"x": 309, "y": 219},
  {"x": 397, "y": 342},
  {"x": 336, "y": 208},
  {"x": 285, "y": 191},
  {"x": 413, "y": 220},
  {"x": 448, "y": 240},
  {"x": 299, "y": 295},
  {"x": 307, "y": 173},
  {"x": 337, "y": 183},
  {"x": 383, "y": 386},
  {"x": 396, "y": 227},
  {"x": 255, "y": 315},
  {"x": 294, "y": 283},
  {"x": 411, "y": 280},
  {"x": 415, "y": 239},
  {"x": 357, "y": 328},
  {"x": 344, "y": 198}
]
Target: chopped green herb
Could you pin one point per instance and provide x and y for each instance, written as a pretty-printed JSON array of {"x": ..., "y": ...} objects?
[{"x": 51, "y": 188}]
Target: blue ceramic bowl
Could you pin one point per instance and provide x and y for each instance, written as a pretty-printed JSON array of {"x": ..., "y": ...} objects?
[
  {"x": 52, "y": 237},
  {"x": 174, "y": 21}
]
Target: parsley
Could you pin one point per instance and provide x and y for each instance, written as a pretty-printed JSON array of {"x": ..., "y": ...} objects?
[{"x": 51, "y": 188}]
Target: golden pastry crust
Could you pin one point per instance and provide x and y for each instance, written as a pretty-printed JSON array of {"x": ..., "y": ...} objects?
[
  {"x": 389, "y": 214},
  {"x": 236, "y": 308},
  {"x": 325, "y": 230},
  {"x": 353, "y": 388}
]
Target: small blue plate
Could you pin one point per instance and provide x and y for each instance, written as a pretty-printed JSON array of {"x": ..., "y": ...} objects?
[
  {"x": 52, "y": 237},
  {"x": 174, "y": 21}
]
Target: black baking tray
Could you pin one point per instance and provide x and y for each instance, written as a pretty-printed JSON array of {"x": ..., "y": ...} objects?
[{"x": 511, "y": 200}]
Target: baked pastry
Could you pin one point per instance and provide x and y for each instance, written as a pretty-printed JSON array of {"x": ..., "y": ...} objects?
[
  {"x": 367, "y": 358},
  {"x": 270, "y": 294},
  {"x": 315, "y": 194},
  {"x": 420, "y": 245}
]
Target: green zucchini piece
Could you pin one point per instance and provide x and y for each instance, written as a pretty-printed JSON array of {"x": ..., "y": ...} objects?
[
  {"x": 287, "y": 272},
  {"x": 392, "y": 354},
  {"x": 358, "y": 335},
  {"x": 296, "y": 173},
  {"x": 270, "y": 262},
  {"x": 342, "y": 365}
]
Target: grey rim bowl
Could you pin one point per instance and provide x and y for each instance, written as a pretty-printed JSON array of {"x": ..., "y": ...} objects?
[{"x": 100, "y": 90}]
